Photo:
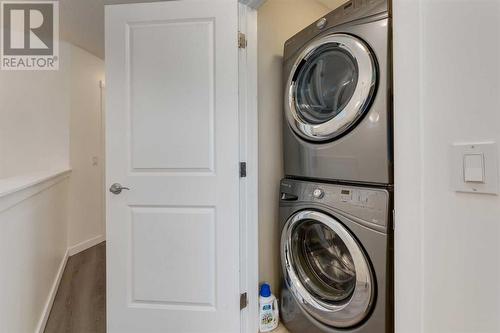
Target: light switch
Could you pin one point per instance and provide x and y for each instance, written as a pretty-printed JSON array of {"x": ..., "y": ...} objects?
[{"x": 474, "y": 168}]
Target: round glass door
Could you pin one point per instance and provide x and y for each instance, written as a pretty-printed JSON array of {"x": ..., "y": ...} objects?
[
  {"x": 323, "y": 262},
  {"x": 326, "y": 270},
  {"x": 330, "y": 87},
  {"x": 325, "y": 84}
]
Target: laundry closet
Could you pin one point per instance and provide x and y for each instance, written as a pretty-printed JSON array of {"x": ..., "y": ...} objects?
[{"x": 335, "y": 204}]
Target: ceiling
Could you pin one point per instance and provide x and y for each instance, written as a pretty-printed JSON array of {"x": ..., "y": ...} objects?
[{"x": 82, "y": 21}]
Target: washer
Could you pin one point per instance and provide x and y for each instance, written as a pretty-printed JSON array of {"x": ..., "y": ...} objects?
[
  {"x": 337, "y": 98},
  {"x": 336, "y": 256}
]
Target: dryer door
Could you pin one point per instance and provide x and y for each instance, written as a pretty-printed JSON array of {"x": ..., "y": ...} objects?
[
  {"x": 326, "y": 269},
  {"x": 330, "y": 87}
]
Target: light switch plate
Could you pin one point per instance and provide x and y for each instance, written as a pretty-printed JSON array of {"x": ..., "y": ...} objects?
[{"x": 474, "y": 167}]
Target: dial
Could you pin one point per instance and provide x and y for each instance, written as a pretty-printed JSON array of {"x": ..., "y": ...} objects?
[{"x": 318, "y": 193}]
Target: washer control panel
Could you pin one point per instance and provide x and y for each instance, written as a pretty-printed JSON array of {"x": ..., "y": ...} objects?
[{"x": 369, "y": 204}]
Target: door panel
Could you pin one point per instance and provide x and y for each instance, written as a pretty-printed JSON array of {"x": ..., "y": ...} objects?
[
  {"x": 172, "y": 138},
  {"x": 166, "y": 95},
  {"x": 157, "y": 233}
]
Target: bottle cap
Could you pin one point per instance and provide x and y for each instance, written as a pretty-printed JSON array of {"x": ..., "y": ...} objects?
[{"x": 265, "y": 290}]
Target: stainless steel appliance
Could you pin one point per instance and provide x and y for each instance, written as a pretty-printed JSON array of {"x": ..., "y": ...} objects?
[
  {"x": 337, "y": 98},
  {"x": 336, "y": 255}
]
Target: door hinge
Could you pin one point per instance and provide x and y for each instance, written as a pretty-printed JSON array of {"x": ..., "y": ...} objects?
[
  {"x": 243, "y": 169},
  {"x": 242, "y": 40},
  {"x": 243, "y": 301}
]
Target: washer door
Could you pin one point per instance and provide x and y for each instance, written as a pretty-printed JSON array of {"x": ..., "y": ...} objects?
[
  {"x": 326, "y": 269},
  {"x": 330, "y": 87}
]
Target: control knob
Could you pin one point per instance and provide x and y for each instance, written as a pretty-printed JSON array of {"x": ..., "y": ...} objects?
[{"x": 318, "y": 193}]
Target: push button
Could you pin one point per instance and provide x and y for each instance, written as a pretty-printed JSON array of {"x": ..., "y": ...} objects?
[
  {"x": 363, "y": 197},
  {"x": 474, "y": 168}
]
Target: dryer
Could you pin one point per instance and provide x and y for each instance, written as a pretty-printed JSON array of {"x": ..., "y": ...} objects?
[
  {"x": 336, "y": 256},
  {"x": 337, "y": 98}
]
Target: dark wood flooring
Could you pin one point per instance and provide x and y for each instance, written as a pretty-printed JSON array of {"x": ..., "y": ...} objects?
[{"x": 80, "y": 303}]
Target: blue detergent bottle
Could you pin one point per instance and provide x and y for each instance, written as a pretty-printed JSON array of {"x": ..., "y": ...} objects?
[{"x": 268, "y": 309}]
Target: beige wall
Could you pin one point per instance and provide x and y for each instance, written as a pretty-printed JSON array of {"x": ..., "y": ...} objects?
[
  {"x": 278, "y": 20},
  {"x": 86, "y": 218}
]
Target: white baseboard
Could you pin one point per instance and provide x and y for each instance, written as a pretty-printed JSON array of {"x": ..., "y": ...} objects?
[
  {"x": 40, "y": 328},
  {"x": 71, "y": 251},
  {"x": 85, "y": 245}
]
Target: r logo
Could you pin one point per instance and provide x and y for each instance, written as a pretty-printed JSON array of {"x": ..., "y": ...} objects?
[{"x": 29, "y": 28}]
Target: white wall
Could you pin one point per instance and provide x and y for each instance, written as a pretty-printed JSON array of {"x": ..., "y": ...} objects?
[
  {"x": 278, "y": 20},
  {"x": 34, "y": 118},
  {"x": 34, "y": 139},
  {"x": 48, "y": 120},
  {"x": 51, "y": 120},
  {"x": 86, "y": 220},
  {"x": 407, "y": 167},
  {"x": 32, "y": 248},
  {"x": 446, "y": 90}
]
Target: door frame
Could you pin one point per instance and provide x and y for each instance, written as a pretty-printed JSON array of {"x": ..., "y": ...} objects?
[{"x": 249, "y": 210}]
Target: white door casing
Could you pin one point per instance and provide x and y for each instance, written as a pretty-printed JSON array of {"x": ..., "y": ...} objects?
[{"x": 172, "y": 137}]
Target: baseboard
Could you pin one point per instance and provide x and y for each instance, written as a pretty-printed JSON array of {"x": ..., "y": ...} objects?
[
  {"x": 40, "y": 328},
  {"x": 85, "y": 245},
  {"x": 71, "y": 251}
]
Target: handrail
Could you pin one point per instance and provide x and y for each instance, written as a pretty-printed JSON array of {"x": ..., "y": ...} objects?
[{"x": 18, "y": 188}]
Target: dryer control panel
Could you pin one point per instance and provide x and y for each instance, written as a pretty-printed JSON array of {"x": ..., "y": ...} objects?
[{"x": 368, "y": 204}]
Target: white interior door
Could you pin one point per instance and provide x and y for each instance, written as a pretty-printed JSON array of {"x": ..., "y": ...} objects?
[{"x": 172, "y": 138}]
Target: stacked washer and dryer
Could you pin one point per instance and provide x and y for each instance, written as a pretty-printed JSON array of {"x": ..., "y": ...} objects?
[{"x": 336, "y": 199}]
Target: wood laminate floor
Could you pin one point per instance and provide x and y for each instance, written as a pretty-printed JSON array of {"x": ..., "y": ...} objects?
[{"x": 80, "y": 303}]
